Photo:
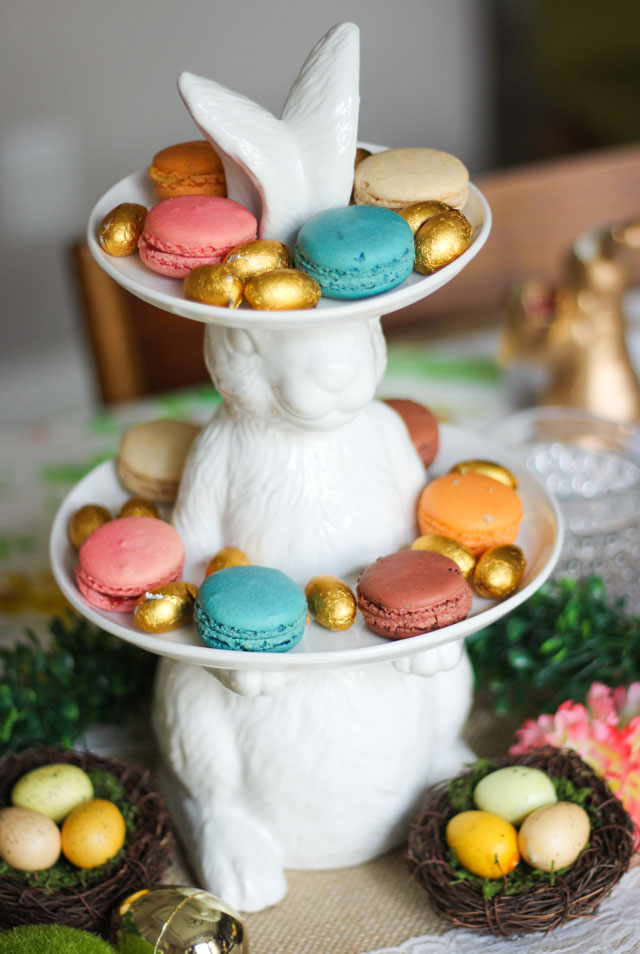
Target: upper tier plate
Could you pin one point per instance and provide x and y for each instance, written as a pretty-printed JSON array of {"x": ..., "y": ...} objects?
[
  {"x": 540, "y": 537},
  {"x": 166, "y": 293}
]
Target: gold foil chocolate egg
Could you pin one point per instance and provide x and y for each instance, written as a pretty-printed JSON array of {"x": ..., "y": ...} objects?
[
  {"x": 214, "y": 285},
  {"x": 331, "y": 602},
  {"x": 121, "y": 228},
  {"x": 489, "y": 468},
  {"x": 175, "y": 919},
  {"x": 440, "y": 240},
  {"x": 139, "y": 507},
  {"x": 417, "y": 213},
  {"x": 85, "y": 521},
  {"x": 449, "y": 548},
  {"x": 257, "y": 257},
  {"x": 360, "y": 155},
  {"x": 166, "y": 607},
  {"x": 499, "y": 571},
  {"x": 228, "y": 556},
  {"x": 282, "y": 289}
]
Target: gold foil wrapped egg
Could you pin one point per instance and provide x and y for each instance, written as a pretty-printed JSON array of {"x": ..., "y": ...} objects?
[
  {"x": 121, "y": 228},
  {"x": 331, "y": 602},
  {"x": 175, "y": 919},
  {"x": 214, "y": 285},
  {"x": 360, "y": 155},
  {"x": 228, "y": 556},
  {"x": 257, "y": 257},
  {"x": 440, "y": 240},
  {"x": 85, "y": 521},
  {"x": 417, "y": 213},
  {"x": 165, "y": 607},
  {"x": 489, "y": 468},
  {"x": 139, "y": 507},
  {"x": 499, "y": 571},
  {"x": 282, "y": 289},
  {"x": 449, "y": 548}
]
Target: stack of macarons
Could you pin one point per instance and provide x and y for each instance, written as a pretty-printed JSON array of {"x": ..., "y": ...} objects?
[{"x": 348, "y": 253}]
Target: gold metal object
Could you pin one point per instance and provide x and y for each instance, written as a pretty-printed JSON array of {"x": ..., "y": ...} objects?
[
  {"x": 121, "y": 228},
  {"x": 176, "y": 919},
  {"x": 228, "y": 556},
  {"x": 257, "y": 257},
  {"x": 417, "y": 213},
  {"x": 499, "y": 571},
  {"x": 166, "y": 607},
  {"x": 441, "y": 239},
  {"x": 85, "y": 521},
  {"x": 331, "y": 602},
  {"x": 489, "y": 468},
  {"x": 139, "y": 507},
  {"x": 214, "y": 285},
  {"x": 282, "y": 289},
  {"x": 576, "y": 330},
  {"x": 360, "y": 155},
  {"x": 450, "y": 548}
]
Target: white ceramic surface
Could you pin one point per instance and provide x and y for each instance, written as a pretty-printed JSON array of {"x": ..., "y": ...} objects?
[
  {"x": 287, "y": 170},
  {"x": 166, "y": 293},
  {"x": 540, "y": 538}
]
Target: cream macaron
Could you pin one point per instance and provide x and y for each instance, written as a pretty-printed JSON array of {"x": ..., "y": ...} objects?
[
  {"x": 152, "y": 457},
  {"x": 396, "y": 178}
]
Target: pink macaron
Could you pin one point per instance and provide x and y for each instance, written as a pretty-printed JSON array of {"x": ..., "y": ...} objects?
[
  {"x": 180, "y": 234},
  {"x": 122, "y": 559}
]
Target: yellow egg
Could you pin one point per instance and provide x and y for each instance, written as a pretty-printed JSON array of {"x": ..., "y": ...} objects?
[
  {"x": 93, "y": 833},
  {"x": 331, "y": 602},
  {"x": 121, "y": 228},
  {"x": 84, "y": 521},
  {"x": 139, "y": 507},
  {"x": 282, "y": 289},
  {"x": 214, "y": 285},
  {"x": 228, "y": 556},
  {"x": 257, "y": 257},
  {"x": 54, "y": 789},
  {"x": 29, "y": 841},
  {"x": 417, "y": 213},
  {"x": 484, "y": 844},
  {"x": 441, "y": 239},
  {"x": 552, "y": 837}
]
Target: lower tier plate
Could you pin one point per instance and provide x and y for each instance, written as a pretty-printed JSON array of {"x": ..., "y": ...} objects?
[{"x": 540, "y": 538}]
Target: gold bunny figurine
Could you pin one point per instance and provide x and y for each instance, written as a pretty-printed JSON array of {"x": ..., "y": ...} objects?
[{"x": 577, "y": 329}]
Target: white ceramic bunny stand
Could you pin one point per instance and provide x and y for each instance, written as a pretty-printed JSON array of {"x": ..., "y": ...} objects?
[{"x": 302, "y": 469}]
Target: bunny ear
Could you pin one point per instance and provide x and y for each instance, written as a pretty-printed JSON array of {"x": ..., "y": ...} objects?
[{"x": 301, "y": 164}]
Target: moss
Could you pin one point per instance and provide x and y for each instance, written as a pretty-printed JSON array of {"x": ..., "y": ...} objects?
[{"x": 52, "y": 938}]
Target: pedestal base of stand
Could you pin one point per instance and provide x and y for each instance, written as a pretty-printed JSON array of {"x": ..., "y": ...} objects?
[{"x": 327, "y": 773}]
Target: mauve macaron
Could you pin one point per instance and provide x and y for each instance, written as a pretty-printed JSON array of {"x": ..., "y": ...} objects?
[
  {"x": 412, "y": 592},
  {"x": 421, "y": 424},
  {"x": 180, "y": 234},
  {"x": 124, "y": 558}
]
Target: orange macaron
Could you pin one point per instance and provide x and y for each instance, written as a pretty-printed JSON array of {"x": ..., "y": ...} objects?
[
  {"x": 188, "y": 168},
  {"x": 475, "y": 510}
]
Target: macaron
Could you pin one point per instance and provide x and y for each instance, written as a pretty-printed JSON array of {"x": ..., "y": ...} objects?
[
  {"x": 396, "y": 178},
  {"x": 356, "y": 251},
  {"x": 187, "y": 168},
  {"x": 412, "y": 592},
  {"x": 180, "y": 234},
  {"x": 250, "y": 608},
  {"x": 421, "y": 424},
  {"x": 126, "y": 557},
  {"x": 473, "y": 509},
  {"x": 152, "y": 456}
]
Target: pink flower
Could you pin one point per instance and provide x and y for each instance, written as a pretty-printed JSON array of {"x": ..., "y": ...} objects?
[{"x": 605, "y": 733}]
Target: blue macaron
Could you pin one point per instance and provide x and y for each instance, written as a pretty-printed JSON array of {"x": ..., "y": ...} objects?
[
  {"x": 250, "y": 608},
  {"x": 356, "y": 251}
]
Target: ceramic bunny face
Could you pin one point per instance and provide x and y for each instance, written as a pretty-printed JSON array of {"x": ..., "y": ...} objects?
[{"x": 309, "y": 379}]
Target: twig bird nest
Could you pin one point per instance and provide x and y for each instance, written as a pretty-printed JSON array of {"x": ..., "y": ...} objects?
[
  {"x": 533, "y": 901},
  {"x": 86, "y": 901}
]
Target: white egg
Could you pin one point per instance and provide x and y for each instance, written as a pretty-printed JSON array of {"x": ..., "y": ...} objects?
[
  {"x": 29, "y": 841},
  {"x": 514, "y": 792},
  {"x": 552, "y": 837}
]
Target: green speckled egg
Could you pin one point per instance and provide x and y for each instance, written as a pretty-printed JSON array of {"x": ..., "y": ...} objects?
[{"x": 54, "y": 790}]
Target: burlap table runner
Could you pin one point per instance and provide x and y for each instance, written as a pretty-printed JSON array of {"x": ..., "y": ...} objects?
[{"x": 359, "y": 909}]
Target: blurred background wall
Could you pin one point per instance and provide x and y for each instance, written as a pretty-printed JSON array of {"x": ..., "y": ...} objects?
[{"x": 88, "y": 94}]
